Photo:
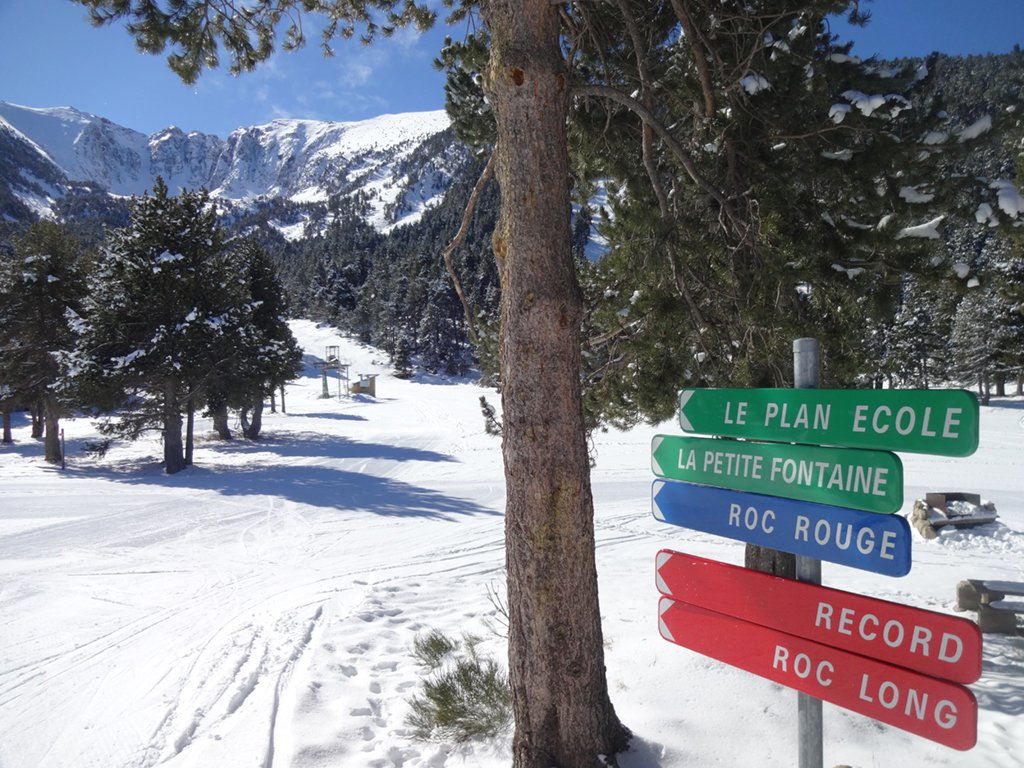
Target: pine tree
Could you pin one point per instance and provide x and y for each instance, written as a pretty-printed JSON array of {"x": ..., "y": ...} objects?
[
  {"x": 167, "y": 312},
  {"x": 987, "y": 338},
  {"x": 770, "y": 193},
  {"x": 918, "y": 348},
  {"x": 42, "y": 288},
  {"x": 271, "y": 356}
]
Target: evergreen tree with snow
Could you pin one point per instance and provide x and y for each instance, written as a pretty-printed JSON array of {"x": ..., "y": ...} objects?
[
  {"x": 168, "y": 312},
  {"x": 777, "y": 187},
  {"x": 987, "y": 338},
  {"x": 917, "y": 350},
  {"x": 42, "y": 291},
  {"x": 272, "y": 356}
]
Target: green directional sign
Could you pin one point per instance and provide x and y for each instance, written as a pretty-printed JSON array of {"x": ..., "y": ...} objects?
[
  {"x": 842, "y": 477},
  {"x": 938, "y": 422}
]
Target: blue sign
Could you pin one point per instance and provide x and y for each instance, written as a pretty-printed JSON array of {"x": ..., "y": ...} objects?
[{"x": 864, "y": 540}]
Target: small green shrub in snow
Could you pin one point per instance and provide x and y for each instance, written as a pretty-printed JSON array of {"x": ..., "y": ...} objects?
[{"x": 466, "y": 695}]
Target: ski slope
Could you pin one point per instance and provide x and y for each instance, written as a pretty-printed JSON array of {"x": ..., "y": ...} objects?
[{"x": 258, "y": 609}]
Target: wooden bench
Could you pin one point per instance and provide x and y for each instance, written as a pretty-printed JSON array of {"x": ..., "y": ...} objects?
[{"x": 996, "y": 614}]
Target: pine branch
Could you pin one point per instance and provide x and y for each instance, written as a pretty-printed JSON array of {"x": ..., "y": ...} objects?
[{"x": 481, "y": 182}]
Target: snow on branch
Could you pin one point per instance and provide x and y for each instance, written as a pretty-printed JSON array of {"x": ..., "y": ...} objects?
[
  {"x": 1008, "y": 197},
  {"x": 868, "y": 105},
  {"x": 975, "y": 130},
  {"x": 928, "y": 230},
  {"x": 754, "y": 83},
  {"x": 912, "y": 195}
]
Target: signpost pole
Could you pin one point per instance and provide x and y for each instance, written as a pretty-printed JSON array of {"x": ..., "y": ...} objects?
[{"x": 806, "y": 369}]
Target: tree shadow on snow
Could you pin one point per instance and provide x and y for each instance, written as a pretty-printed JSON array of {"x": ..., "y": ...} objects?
[
  {"x": 318, "y": 485},
  {"x": 641, "y": 754},
  {"x": 999, "y": 689},
  {"x": 330, "y": 488},
  {"x": 335, "y": 416},
  {"x": 1015, "y": 403},
  {"x": 292, "y": 445}
]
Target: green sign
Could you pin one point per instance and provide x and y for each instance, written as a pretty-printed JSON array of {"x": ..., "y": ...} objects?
[
  {"x": 842, "y": 477},
  {"x": 938, "y": 422}
]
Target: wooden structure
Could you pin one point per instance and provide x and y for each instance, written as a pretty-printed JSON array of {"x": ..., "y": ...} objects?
[{"x": 367, "y": 385}]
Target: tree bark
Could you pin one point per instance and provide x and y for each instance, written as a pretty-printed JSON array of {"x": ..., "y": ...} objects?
[
  {"x": 252, "y": 429},
  {"x": 1000, "y": 381},
  {"x": 38, "y": 424},
  {"x": 190, "y": 432},
  {"x": 51, "y": 419},
  {"x": 8, "y": 436},
  {"x": 563, "y": 713},
  {"x": 220, "y": 423},
  {"x": 174, "y": 453}
]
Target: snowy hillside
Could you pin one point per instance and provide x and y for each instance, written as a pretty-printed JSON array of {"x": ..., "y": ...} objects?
[
  {"x": 300, "y": 160},
  {"x": 259, "y": 608}
]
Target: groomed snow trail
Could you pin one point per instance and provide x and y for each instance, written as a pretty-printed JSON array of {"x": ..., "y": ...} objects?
[{"x": 258, "y": 609}]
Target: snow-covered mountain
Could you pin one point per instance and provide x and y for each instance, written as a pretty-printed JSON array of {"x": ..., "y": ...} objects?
[{"x": 402, "y": 163}]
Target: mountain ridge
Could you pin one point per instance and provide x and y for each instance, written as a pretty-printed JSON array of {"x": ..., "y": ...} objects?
[{"x": 45, "y": 152}]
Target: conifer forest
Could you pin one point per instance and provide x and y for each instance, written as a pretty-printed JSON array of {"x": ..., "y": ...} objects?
[{"x": 152, "y": 309}]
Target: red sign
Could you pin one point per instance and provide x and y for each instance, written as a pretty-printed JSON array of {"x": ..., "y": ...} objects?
[
  {"x": 935, "y": 709},
  {"x": 936, "y": 644}
]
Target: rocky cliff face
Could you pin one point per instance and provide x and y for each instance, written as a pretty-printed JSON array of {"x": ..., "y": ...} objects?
[{"x": 400, "y": 163}]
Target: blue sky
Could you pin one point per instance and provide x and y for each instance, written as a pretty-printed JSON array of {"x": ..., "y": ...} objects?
[{"x": 51, "y": 57}]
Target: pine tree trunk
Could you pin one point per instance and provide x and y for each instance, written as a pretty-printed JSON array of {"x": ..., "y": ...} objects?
[
  {"x": 38, "y": 425},
  {"x": 563, "y": 713},
  {"x": 190, "y": 432},
  {"x": 8, "y": 436},
  {"x": 282, "y": 400},
  {"x": 51, "y": 418},
  {"x": 252, "y": 429},
  {"x": 174, "y": 453},
  {"x": 1000, "y": 380},
  {"x": 220, "y": 423}
]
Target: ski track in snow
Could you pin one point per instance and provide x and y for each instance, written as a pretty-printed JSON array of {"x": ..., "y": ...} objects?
[{"x": 258, "y": 609}]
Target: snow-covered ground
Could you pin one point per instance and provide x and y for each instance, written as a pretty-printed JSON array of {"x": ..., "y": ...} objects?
[{"x": 259, "y": 608}]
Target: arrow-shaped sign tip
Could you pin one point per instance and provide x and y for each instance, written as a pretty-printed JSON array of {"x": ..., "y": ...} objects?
[
  {"x": 663, "y": 606},
  {"x": 662, "y": 558},
  {"x": 684, "y": 398},
  {"x": 654, "y": 500},
  {"x": 655, "y": 466}
]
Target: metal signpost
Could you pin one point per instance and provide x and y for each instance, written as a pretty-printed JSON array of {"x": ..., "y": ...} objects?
[
  {"x": 900, "y": 665},
  {"x": 810, "y": 732}
]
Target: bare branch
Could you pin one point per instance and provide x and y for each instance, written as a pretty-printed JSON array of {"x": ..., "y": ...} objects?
[{"x": 458, "y": 239}]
